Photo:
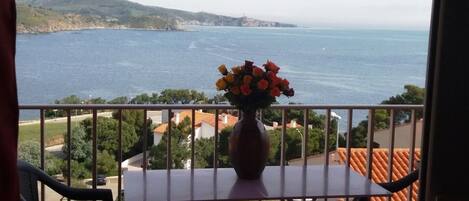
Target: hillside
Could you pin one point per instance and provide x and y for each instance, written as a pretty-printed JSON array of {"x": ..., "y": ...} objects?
[
  {"x": 127, "y": 14},
  {"x": 40, "y": 20}
]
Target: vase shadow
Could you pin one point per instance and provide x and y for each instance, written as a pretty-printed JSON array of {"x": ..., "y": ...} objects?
[{"x": 248, "y": 189}]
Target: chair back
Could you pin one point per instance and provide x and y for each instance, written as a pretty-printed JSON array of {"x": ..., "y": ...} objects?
[{"x": 28, "y": 181}]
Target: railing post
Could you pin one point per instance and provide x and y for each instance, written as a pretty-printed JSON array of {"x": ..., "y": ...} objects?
[
  {"x": 119, "y": 156},
  {"x": 371, "y": 129},
  {"x": 282, "y": 138},
  {"x": 69, "y": 148},
  {"x": 168, "y": 142},
  {"x": 94, "y": 149},
  {"x": 145, "y": 139},
  {"x": 215, "y": 147},
  {"x": 42, "y": 132},
  {"x": 304, "y": 147},
  {"x": 349, "y": 136},
  {"x": 193, "y": 139},
  {"x": 392, "y": 133},
  {"x": 412, "y": 151},
  {"x": 326, "y": 136}
]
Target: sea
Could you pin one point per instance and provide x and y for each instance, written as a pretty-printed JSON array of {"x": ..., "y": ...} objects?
[{"x": 324, "y": 66}]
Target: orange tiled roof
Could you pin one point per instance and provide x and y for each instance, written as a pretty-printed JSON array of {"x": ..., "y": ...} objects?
[
  {"x": 231, "y": 121},
  {"x": 380, "y": 165},
  {"x": 200, "y": 117}
]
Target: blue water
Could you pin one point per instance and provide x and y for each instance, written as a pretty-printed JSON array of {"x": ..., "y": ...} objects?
[{"x": 324, "y": 66}]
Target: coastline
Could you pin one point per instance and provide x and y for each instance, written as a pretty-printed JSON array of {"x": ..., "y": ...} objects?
[
  {"x": 138, "y": 29},
  {"x": 99, "y": 28}
]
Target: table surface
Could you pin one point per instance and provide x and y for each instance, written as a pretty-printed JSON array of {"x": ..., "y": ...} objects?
[{"x": 275, "y": 183}]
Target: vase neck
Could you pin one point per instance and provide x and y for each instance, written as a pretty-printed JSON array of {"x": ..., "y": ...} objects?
[{"x": 249, "y": 114}]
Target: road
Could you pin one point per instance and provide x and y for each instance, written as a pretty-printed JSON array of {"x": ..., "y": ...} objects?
[{"x": 64, "y": 119}]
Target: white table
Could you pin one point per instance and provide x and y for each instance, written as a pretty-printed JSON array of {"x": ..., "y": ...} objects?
[{"x": 276, "y": 183}]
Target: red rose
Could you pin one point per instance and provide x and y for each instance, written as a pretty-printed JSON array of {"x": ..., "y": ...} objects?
[
  {"x": 285, "y": 84},
  {"x": 247, "y": 79},
  {"x": 257, "y": 72},
  {"x": 271, "y": 75},
  {"x": 276, "y": 81},
  {"x": 271, "y": 66},
  {"x": 245, "y": 90},
  {"x": 262, "y": 84},
  {"x": 289, "y": 92},
  {"x": 275, "y": 92},
  {"x": 235, "y": 90}
]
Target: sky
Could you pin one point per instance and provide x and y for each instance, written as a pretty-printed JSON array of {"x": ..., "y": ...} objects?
[{"x": 413, "y": 14}]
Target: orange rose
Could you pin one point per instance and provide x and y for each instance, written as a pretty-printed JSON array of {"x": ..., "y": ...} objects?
[
  {"x": 229, "y": 78},
  {"x": 235, "y": 90},
  {"x": 275, "y": 92},
  {"x": 236, "y": 70},
  {"x": 247, "y": 79},
  {"x": 222, "y": 69},
  {"x": 271, "y": 66},
  {"x": 262, "y": 84},
  {"x": 257, "y": 72},
  {"x": 221, "y": 84},
  {"x": 245, "y": 90}
]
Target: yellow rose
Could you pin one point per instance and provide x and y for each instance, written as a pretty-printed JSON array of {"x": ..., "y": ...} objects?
[
  {"x": 222, "y": 69},
  {"x": 229, "y": 78},
  {"x": 236, "y": 70},
  {"x": 221, "y": 84}
]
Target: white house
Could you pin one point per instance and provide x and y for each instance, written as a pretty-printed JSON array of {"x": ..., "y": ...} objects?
[{"x": 204, "y": 123}]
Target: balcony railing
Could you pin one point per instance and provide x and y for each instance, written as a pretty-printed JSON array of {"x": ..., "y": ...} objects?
[{"x": 306, "y": 108}]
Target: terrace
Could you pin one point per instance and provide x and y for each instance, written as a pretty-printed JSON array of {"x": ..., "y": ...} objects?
[
  {"x": 443, "y": 176},
  {"x": 349, "y": 110}
]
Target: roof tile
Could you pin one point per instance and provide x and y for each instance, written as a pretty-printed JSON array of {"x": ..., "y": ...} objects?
[{"x": 400, "y": 167}]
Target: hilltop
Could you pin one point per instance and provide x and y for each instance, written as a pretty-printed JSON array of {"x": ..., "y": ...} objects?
[{"x": 57, "y": 15}]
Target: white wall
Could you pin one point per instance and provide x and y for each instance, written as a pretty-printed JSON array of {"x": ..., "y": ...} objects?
[
  {"x": 157, "y": 138},
  {"x": 207, "y": 131}
]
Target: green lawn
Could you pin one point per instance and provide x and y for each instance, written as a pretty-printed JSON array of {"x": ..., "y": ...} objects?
[{"x": 53, "y": 132}]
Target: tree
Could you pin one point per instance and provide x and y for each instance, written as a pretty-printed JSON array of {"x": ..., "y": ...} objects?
[
  {"x": 180, "y": 152},
  {"x": 80, "y": 148},
  {"x": 98, "y": 100},
  {"x": 78, "y": 170},
  {"x": 182, "y": 96},
  {"x": 315, "y": 120},
  {"x": 106, "y": 163},
  {"x": 145, "y": 99},
  {"x": 72, "y": 99},
  {"x": 119, "y": 100},
  {"x": 107, "y": 134},
  {"x": 30, "y": 151},
  {"x": 217, "y": 99},
  {"x": 293, "y": 143},
  {"x": 135, "y": 118},
  {"x": 412, "y": 95},
  {"x": 204, "y": 152}
]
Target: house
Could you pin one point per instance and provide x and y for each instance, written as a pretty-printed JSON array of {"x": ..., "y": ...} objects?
[
  {"x": 204, "y": 123},
  {"x": 379, "y": 174},
  {"x": 402, "y": 136},
  {"x": 292, "y": 124}
]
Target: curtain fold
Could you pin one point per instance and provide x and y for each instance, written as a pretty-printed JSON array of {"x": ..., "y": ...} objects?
[{"x": 9, "y": 188}]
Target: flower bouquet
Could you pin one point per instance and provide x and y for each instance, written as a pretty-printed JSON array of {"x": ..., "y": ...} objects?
[{"x": 249, "y": 87}]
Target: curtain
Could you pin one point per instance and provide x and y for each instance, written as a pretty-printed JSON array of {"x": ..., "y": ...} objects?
[{"x": 9, "y": 188}]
